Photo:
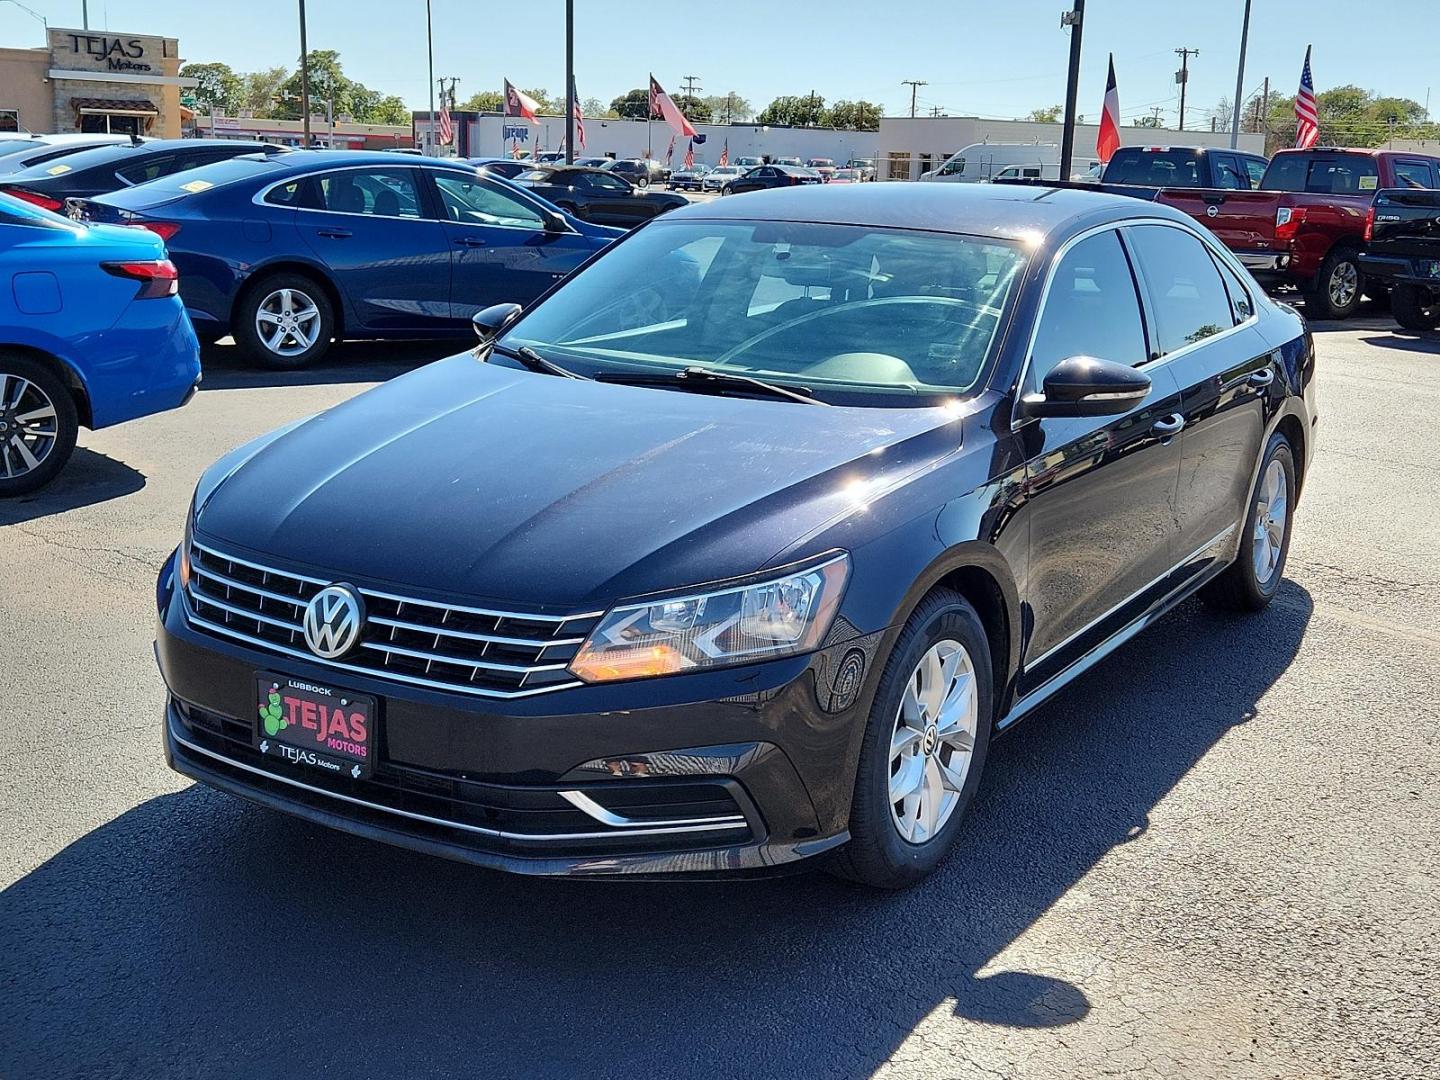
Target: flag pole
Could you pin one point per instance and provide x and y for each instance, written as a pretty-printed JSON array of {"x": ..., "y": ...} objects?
[
  {"x": 430, "y": 52},
  {"x": 569, "y": 82},
  {"x": 1240, "y": 79},
  {"x": 649, "y": 112}
]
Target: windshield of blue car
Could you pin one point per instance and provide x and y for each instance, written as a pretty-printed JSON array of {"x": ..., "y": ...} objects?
[{"x": 843, "y": 310}]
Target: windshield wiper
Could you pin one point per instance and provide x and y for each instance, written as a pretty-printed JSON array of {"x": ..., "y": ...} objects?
[
  {"x": 535, "y": 362},
  {"x": 703, "y": 380}
]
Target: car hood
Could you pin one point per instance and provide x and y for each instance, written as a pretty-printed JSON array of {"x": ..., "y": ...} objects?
[{"x": 464, "y": 479}]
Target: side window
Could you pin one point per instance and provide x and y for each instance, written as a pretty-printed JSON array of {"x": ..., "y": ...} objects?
[
  {"x": 606, "y": 183},
  {"x": 471, "y": 201},
  {"x": 142, "y": 172},
  {"x": 374, "y": 193},
  {"x": 1186, "y": 293},
  {"x": 288, "y": 194},
  {"x": 1091, "y": 309},
  {"x": 1240, "y": 300},
  {"x": 1227, "y": 173},
  {"x": 1255, "y": 169},
  {"x": 1415, "y": 174}
]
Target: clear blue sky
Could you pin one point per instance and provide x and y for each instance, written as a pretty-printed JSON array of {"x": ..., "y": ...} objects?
[{"x": 980, "y": 57}]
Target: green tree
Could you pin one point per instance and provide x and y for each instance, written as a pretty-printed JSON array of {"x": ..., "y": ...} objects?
[
  {"x": 696, "y": 109},
  {"x": 852, "y": 115},
  {"x": 260, "y": 90},
  {"x": 794, "y": 110},
  {"x": 1350, "y": 116},
  {"x": 330, "y": 85},
  {"x": 1048, "y": 115},
  {"x": 729, "y": 108},
  {"x": 593, "y": 106},
  {"x": 218, "y": 87},
  {"x": 491, "y": 101},
  {"x": 634, "y": 104}
]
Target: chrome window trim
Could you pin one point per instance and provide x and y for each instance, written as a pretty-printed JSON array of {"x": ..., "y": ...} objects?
[
  {"x": 702, "y": 824},
  {"x": 1017, "y": 422}
]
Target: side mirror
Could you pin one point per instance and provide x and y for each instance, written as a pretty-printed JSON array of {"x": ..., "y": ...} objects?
[
  {"x": 556, "y": 223},
  {"x": 1087, "y": 386},
  {"x": 491, "y": 322}
]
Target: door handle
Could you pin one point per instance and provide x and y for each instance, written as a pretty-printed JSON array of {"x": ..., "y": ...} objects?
[
  {"x": 1262, "y": 379},
  {"x": 334, "y": 234},
  {"x": 1168, "y": 426},
  {"x": 469, "y": 241}
]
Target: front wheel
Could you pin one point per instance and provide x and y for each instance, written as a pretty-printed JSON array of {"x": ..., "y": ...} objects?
[
  {"x": 1252, "y": 580},
  {"x": 924, "y": 746},
  {"x": 727, "y": 190},
  {"x": 38, "y": 425},
  {"x": 285, "y": 321},
  {"x": 1338, "y": 287},
  {"x": 1415, "y": 307}
]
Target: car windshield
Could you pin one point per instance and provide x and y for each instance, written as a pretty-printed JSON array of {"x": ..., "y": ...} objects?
[
  {"x": 1321, "y": 174},
  {"x": 845, "y": 310},
  {"x": 194, "y": 181}
]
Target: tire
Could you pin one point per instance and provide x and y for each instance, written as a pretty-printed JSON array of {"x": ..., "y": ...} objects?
[
  {"x": 1242, "y": 587},
  {"x": 34, "y": 446},
  {"x": 727, "y": 190},
  {"x": 878, "y": 854},
  {"x": 1339, "y": 287},
  {"x": 642, "y": 181},
  {"x": 1415, "y": 307},
  {"x": 268, "y": 294},
  {"x": 571, "y": 209}
]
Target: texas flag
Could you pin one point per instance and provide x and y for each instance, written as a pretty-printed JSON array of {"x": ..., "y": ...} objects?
[
  {"x": 518, "y": 104},
  {"x": 1108, "y": 141},
  {"x": 665, "y": 109}
]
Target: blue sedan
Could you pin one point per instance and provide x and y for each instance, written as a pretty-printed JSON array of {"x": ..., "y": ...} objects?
[
  {"x": 92, "y": 333},
  {"x": 289, "y": 252}
]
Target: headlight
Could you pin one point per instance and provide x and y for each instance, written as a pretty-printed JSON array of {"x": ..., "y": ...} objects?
[
  {"x": 763, "y": 621},
  {"x": 182, "y": 561}
]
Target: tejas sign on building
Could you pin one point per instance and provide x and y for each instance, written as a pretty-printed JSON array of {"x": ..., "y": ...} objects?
[{"x": 114, "y": 53}]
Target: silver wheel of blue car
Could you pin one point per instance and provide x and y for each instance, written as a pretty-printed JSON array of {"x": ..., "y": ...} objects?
[
  {"x": 1272, "y": 518},
  {"x": 38, "y": 424},
  {"x": 288, "y": 322},
  {"x": 933, "y": 741}
]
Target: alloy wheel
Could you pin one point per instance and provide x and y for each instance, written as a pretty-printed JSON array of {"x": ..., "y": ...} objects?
[
  {"x": 287, "y": 322},
  {"x": 29, "y": 426},
  {"x": 1271, "y": 512},
  {"x": 933, "y": 741},
  {"x": 1344, "y": 284}
]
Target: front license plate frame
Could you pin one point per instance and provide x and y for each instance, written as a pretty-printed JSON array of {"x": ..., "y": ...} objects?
[{"x": 315, "y": 725}]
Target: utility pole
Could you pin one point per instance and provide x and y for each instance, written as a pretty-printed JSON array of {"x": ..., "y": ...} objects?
[
  {"x": 1240, "y": 79},
  {"x": 691, "y": 89},
  {"x": 304, "y": 76},
  {"x": 914, "y": 85},
  {"x": 1183, "y": 78},
  {"x": 1075, "y": 20},
  {"x": 814, "y": 119},
  {"x": 730, "y": 107},
  {"x": 430, "y": 55},
  {"x": 934, "y": 110},
  {"x": 570, "y": 82}
]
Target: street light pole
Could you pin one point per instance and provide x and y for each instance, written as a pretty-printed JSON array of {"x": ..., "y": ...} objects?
[
  {"x": 569, "y": 82},
  {"x": 304, "y": 76},
  {"x": 430, "y": 53},
  {"x": 1240, "y": 79},
  {"x": 1075, "y": 19}
]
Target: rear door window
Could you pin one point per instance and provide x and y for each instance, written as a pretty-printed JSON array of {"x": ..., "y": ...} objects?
[
  {"x": 1414, "y": 174},
  {"x": 1228, "y": 174},
  {"x": 151, "y": 168},
  {"x": 1091, "y": 309},
  {"x": 1255, "y": 170},
  {"x": 372, "y": 192},
  {"x": 1187, "y": 295}
]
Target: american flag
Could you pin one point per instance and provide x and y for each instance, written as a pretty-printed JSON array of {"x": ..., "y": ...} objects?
[
  {"x": 690, "y": 155},
  {"x": 1307, "y": 117},
  {"x": 447, "y": 130},
  {"x": 579, "y": 116},
  {"x": 725, "y": 153}
]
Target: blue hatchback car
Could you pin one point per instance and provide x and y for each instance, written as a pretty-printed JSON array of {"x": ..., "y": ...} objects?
[
  {"x": 92, "y": 333},
  {"x": 289, "y": 252}
]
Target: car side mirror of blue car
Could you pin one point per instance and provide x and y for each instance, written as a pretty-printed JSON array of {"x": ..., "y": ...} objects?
[
  {"x": 1087, "y": 386},
  {"x": 491, "y": 322}
]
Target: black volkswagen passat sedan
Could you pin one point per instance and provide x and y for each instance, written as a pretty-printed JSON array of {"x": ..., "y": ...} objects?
[{"x": 739, "y": 547}]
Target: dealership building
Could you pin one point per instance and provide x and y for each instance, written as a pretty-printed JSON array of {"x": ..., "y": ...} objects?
[
  {"x": 86, "y": 81},
  {"x": 902, "y": 149}
]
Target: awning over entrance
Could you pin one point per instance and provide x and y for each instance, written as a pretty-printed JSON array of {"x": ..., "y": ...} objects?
[{"x": 114, "y": 106}]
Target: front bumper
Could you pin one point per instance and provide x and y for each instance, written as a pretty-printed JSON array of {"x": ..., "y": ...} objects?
[{"x": 741, "y": 770}]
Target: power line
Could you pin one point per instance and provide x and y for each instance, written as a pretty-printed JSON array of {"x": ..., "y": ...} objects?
[
  {"x": 1183, "y": 77},
  {"x": 914, "y": 85}
]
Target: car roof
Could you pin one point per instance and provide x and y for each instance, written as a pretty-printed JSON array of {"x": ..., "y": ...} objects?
[
  {"x": 1008, "y": 211},
  {"x": 303, "y": 160}
]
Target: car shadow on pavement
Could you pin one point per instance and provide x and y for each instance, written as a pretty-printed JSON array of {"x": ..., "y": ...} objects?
[
  {"x": 347, "y": 362},
  {"x": 198, "y": 935},
  {"x": 1411, "y": 341},
  {"x": 88, "y": 478}
]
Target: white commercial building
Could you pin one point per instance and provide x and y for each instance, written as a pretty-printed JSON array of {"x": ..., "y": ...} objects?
[{"x": 909, "y": 146}]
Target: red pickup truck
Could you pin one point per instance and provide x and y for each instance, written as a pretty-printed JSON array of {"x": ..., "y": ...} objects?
[{"x": 1305, "y": 225}]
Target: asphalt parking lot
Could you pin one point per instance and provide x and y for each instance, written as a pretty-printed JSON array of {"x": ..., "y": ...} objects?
[{"x": 1216, "y": 855}]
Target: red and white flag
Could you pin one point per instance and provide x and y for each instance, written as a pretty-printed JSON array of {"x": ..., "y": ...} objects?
[
  {"x": 579, "y": 114},
  {"x": 518, "y": 104},
  {"x": 663, "y": 108},
  {"x": 725, "y": 153},
  {"x": 1108, "y": 140},
  {"x": 670, "y": 152},
  {"x": 447, "y": 130},
  {"x": 690, "y": 155},
  {"x": 1307, "y": 115}
]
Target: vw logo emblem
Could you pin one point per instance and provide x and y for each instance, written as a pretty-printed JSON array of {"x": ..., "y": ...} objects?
[
  {"x": 1212, "y": 210},
  {"x": 333, "y": 620}
]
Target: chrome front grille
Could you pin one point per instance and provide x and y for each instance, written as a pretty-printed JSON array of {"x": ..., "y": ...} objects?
[{"x": 500, "y": 654}]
